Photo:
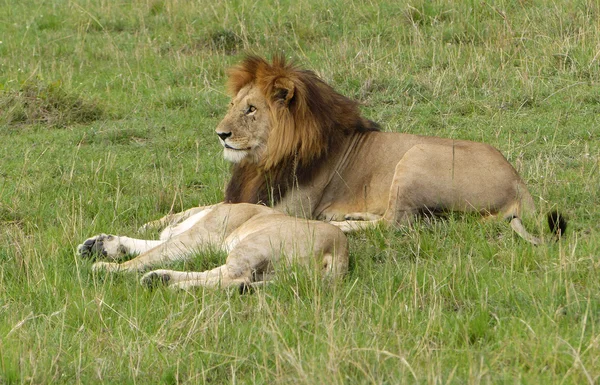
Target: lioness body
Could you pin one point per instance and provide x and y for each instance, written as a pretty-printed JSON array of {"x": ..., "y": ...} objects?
[{"x": 255, "y": 237}]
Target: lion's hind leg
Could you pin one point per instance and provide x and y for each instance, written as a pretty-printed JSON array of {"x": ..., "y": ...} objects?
[
  {"x": 513, "y": 211},
  {"x": 517, "y": 226}
]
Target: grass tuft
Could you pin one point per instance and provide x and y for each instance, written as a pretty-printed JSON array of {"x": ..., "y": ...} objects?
[
  {"x": 157, "y": 8},
  {"x": 48, "y": 104},
  {"x": 9, "y": 215},
  {"x": 219, "y": 41}
]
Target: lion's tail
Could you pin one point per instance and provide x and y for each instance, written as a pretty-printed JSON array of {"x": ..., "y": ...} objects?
[{"x": 556, "y": 221}]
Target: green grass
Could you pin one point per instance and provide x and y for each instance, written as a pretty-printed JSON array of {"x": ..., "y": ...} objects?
[{"x": 107, "y": 117}]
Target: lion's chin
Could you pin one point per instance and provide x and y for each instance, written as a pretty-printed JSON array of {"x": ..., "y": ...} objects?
[{"x": 234, "y": 156}]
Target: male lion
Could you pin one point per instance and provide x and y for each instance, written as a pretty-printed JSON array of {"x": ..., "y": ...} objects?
[
  {"x": 255, "y": 237},
  {"x": 304, "y": 149}
]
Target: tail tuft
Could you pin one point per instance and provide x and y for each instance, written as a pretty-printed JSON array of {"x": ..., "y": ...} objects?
[
  {"x": 557, "y": 223},
  {"x": 246, "y": 288}
]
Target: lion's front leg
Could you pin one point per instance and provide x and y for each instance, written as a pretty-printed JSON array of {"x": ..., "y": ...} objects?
[
  {"x": 350, "y": 225},
  {"x": 358, "y": 221},
  {"x": 112, "y": 247},
  {"x": 362, "y": 216}
]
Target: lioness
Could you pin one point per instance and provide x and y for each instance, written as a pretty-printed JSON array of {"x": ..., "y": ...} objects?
[
  {"x": 255, "y": 237},
  {"x": 301, "y": 147}
]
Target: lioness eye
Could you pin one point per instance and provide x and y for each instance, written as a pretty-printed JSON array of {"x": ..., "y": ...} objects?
[{"x": 250, "y": 109}]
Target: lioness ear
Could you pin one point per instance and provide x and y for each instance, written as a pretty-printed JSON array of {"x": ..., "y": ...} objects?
[{"x": 283, "y": 90}]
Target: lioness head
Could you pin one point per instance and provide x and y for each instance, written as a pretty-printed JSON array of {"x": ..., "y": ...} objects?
[{"x": 281, "y": 114}]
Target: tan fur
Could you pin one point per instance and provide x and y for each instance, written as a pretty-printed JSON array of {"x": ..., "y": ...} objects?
[
  {"x": 313, "y": 155},
  {"x": 256, "y": 238}
]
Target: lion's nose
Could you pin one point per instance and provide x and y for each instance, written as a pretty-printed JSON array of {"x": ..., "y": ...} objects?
[{"x": 224, "y": 135}]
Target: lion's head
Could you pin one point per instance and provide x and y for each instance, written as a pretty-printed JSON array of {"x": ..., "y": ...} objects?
[
  {"x": 281, "y": 114},
  {"x": 244, "y": 132}
]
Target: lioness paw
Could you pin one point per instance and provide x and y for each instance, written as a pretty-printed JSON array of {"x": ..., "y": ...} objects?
[
  {"x": 103, "y": 245},
  {"x": 183, "y": 285},
  {"x": 109, "y": 267},
  {"x": 155, "y": 278},
  {"x": 92, "y": 247}
]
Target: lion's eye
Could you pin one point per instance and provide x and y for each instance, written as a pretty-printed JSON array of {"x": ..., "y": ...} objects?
[{"x": 251, "y": 109}]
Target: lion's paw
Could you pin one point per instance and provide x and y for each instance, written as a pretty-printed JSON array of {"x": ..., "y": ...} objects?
[
  {"x": 103, "y": 245},
  {"x": 155, "y": 278},
  {"x": 361, "y": 217}
]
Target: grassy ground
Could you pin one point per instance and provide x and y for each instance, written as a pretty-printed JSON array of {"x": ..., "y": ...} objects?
[{"x": 107, "y": 112}]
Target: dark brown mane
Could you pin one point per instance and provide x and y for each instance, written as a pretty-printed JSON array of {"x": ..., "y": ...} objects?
[{"x": 308, "y": 118}]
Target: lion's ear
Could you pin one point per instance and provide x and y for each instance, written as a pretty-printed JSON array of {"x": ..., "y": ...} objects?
[{"x": 283, "y": 90}]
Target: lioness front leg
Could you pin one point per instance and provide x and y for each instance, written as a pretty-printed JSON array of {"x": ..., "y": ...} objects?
[
  {"x": 177, "y": 248},
  {"x": 112, "y": 247},
  {"x": 185, "y": 223},
  {"x": 172, "y": 219}
]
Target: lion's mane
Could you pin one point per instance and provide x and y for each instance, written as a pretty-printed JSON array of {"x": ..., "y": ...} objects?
[{"x": 308, "y": 119}]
